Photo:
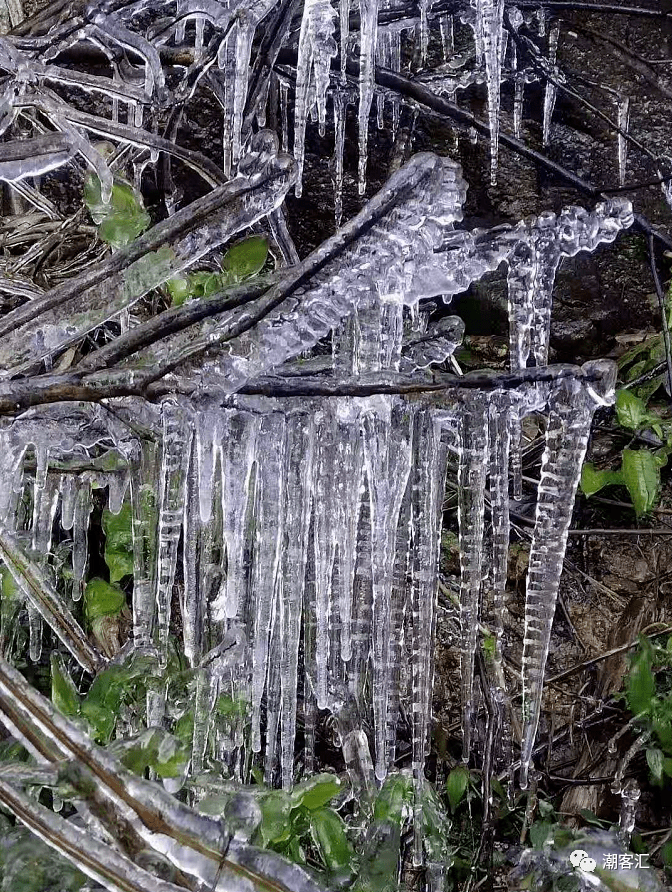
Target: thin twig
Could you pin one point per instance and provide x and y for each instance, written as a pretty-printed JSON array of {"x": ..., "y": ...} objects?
[{"x": 663, "y": 311}]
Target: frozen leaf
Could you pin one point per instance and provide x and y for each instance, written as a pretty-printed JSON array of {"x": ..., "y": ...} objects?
[
  {"x": 64, "y": 693},
  {"x": 316, "y": 791},
  {"x": 641, "y": 474},
  {"x": 540, "y": 832},
  {"x": 118, "y": 543},
  {"x": 275, "y": 825},
  {"x": 247, "y": 258},
  {"x": 456, "y": 785},
  {"x": 102, "y": 599},
  {"x": 328, "y": 831},
  {"x": 123, "y": 219}
]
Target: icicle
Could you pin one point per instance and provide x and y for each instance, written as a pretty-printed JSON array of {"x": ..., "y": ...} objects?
[
  {"x": 368, "y": 10},
  {"x": 424, "y": 29},
  {"x": 273, "y": 688},
  {"x": 80, "y": 536},
  {"x": 238, "y": 431},
  {"x": 194, "y": 603},
  {"x": 395, "y": 65},
  {"x": 244, "y": 31},
  {"x": 551, "y": 89},
  {"x": 310, "y": 664},
  {"x": 117, "y": 485},
  {"x": 490, "y": 26},
  {"x": 428, "y": 483},
  {"x": 344, "y": 11},
  {"x": 623, "y": 122},
  {"x": 447, "y": 36},
  {"x": 145, "y": 506},
  {"x": 317, "y": 47},
  {"x": 340, "y": 108},
  {"x": 68, "y": 496},
  {"x": 360, "y": 629},
  {"x": 284, "y": 115},
  {"x": 269, "y": 530},
  {"x": 299, "y": 451},
  {"x": 629, "y": 798},
  {"x": 471, "y": 474},
  {"x": 207, "y": 445},
  {"x": 387, "y": 456},
  {"x": 325, "y": 510},
  {"x": 349, "y": 485},
  {"x": 202, "y": 717},
  {"x": 176, "y": 450},
  {"x": 571, "y": 409}
]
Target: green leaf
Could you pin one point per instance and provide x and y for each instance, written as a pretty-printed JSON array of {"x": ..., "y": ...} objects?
[
  {"x": 590, "y": 817},
  {"x": 118, "y": 542},
  {"x": 641, "y": 685},
  {"x": 328, "y": 832},
  {"x": 123, "y": 219},
  {"x": 593, "y": 480},
  {"x": 64, "y": 693},
  {"x": 275, "y": 824},
  {"x": 155, "y": 749},
  {"x": 394, "y": 799},
  {"x": 102, "y": 599},
  {"x": 654, "y": 757},
  {"x": 316, "y": 791},
  {"x": 178, "y": 289},
  {"x": 666, "y": 854},
  {"x": 456, "y": 786},
  {"x": 630, "y": 410},
  {"x": 540, "y": 832},
  {"x": 641, "y": 474},
  {"x": 246, "y": 258},
  {"x": 31, "y": 866}
]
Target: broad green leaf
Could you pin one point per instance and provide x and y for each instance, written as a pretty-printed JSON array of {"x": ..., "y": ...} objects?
[
  {"x": 593, "y": 480},
  {"x": 394, "y": 799},
  {"x": 590, "y": 817},
  {"x": 328, "y": 832},
  {"x": 316, "y": 791},
  {"x": 123, "y": 219},
  {"x": 64, "y": 693},
  {"x": 641, "y": 474},
  {"x": 246, "y": 258},
  {"x": 380, "y": 858},
  {"x": 456, "y": 786},
  {"x": 155, "y": 749},
  {"x": 102, "y": 599},
  {"x": 540, "y": 832},
  {"x": 118, "y": 542},
  {"x": 641, "y": 685},
  {"x": 178, "y": 290},
  {"x": 654, "y": 757},
  {"x": 275, "y": 825},
  {"x": 666, "y": 854},
  {"x": 184, "y": 728},
  {"x": 630, "y": 410}
]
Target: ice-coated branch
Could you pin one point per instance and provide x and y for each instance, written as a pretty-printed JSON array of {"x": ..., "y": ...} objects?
[{"x": 48, "y": 603}]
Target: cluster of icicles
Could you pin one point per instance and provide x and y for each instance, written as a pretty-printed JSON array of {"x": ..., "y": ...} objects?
[
  {"x": 224, "y": 32},
  {"x": 313, "y": 522}
]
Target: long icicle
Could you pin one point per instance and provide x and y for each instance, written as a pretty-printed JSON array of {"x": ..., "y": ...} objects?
[{"x": 571, "y": 406}]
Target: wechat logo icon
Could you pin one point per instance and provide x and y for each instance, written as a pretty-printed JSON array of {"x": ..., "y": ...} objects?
[{"x": 582, "y": 860}]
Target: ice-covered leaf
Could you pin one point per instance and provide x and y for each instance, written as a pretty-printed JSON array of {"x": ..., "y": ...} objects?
[
  {"x": 456, "y": 785},
  {"x": 316, "y": 791},
  {"x": 123, "y": 219},
  {"x": 539, "y": 833},
  {"x": 64, "y": 693},
  {"x": 247, "y": 258},
  {"x": 102, "y": 599},
  {"x": 641, "y": 475},
  {"x": 594, "y": 479},
  {"x": 155, "y": 749},
  {"x": 118, "y": 542},
  {"x": 328, "y": 831},
  {"x": 394, "y": 798},
  {"x": 275, "y": 825}
]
